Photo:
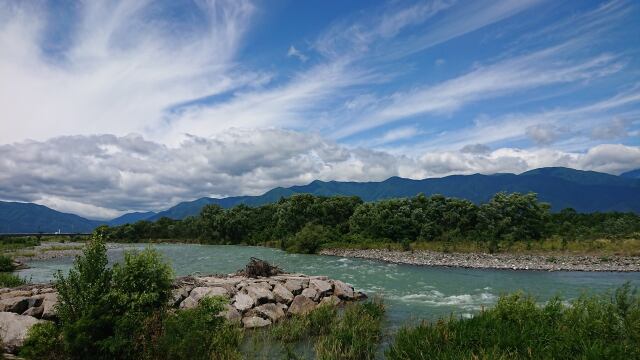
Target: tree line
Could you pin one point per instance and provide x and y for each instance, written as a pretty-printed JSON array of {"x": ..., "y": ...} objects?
[{"x": 305, "y": 222}]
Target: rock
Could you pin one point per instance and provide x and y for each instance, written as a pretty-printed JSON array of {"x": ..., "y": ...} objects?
[
  {"x": 18, "y": 304},
  {"x": 201, "y": 292},
  {"x": 35, "y": 311},
  {"x": 282, "y": 294},
  {"x": 270, "y": 310},
  {"x": 243, "y": 302},
  {"x": 14, "y": 328},
  {"x": 294, "y": 285},
  {"x": 301, "y": 305},
  {"x": 255, "y": 322},
  {"x": 342, "y": 290},
  {"x": 330, "y": 300},
  {"x": 189, "y": 303},
  {"x": 263, "y": 284},
  {"x": 231, "y": 314},
  {"x": 177, "y": 295},
  {"x": 49, "y": 302},
  {"x": 16, "y": 293},
  {"x": 259, "y": 294},
  {"x": 310, "y": 293},
  {"x": 321, "y": 286}
]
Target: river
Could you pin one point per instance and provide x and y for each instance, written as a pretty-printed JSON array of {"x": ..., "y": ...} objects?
[{"x": 410, "y": 292}]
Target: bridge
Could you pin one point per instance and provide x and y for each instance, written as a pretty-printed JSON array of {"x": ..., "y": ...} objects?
[{"x": 43, "y": 234}]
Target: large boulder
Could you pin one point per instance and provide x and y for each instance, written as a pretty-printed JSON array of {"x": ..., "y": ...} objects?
[
  {"x": 294, "y": 285},
  {"x": 282, "y": 294},
  {"x": 343, "y": 290},
  {"x": 270, "y": 311},
  {"x": 49, "y": 303},
  {"x": 231, "y": 314},
  {"x": 311, "y": 293},
  {"x": 321, "y": 286},
  {"x": 14, "y": 329},
  {"x": 199, "y": 293},
  {"x": 301, "y": 305},
  {"x": 255, "y": 322},
  {"x": 243, "y": 302},
  {"x": 330, "y": 300},
  {"x": 259, "y": 294}
]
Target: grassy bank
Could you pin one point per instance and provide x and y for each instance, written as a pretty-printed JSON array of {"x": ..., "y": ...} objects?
[{"x": 591, "y": 327}]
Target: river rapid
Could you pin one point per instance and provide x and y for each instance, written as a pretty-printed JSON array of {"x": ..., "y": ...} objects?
[{"x": 412, "y": 293}]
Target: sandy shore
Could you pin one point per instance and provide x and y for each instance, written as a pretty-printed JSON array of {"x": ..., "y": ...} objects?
[{"x": 496, "y": 261}]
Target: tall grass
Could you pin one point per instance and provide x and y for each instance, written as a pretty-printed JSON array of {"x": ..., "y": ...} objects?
[
  {"x": 591, "y": 327},
  {"x": 11, "y": 280},
  {"x": 355, "y": 336}
]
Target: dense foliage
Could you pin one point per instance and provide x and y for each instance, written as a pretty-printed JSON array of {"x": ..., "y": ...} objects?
[
  {"x": 305, "y": 223},
  {"x": 592, "y": 327}
]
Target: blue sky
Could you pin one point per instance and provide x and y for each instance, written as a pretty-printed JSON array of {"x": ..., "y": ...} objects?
[{"x": 158, "y": 102}]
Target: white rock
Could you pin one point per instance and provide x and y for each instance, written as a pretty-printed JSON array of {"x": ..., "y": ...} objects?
[
  {"x": 320, "y": 286},
  {"x": 343, "y": 290},
  {"x": 259, "y": 294},
  {"x": 310, "y": 293},
  {"x": 231, "y": 314},
  {"x": 243, "y": 302},
  {"x": 201, "y": 292},
  {"x": 270, "y": 310},
  {"x": 301, "y": 305},
  {"x": 294, "y": 285},
  {"x": 282, "y": 294},
  {"x": 14, "y": 328},
  {"x": 255, "y": 321}
]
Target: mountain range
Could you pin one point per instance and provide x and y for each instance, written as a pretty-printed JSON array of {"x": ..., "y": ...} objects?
[{"x": 585, "y": 191}]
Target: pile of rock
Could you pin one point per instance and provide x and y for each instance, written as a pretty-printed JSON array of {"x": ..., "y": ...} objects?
[
  {"x": 257, "y": 302},
  {"x": 20, "y": 309},
  {"x": 253, "y": 302}
]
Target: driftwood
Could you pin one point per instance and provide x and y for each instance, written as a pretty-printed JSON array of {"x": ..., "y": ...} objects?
[{"x": 257, "y": 268}]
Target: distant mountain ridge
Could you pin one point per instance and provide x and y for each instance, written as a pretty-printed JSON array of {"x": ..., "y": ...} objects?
[{"x": 585, "y": 191}]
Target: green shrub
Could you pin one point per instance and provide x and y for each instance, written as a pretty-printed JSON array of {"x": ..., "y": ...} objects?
[
  {"x": 355, "y": 335},
  {"x": 6, "y": 264},
  {"x": 310, "y": 239},
  {"x": 102, "y": 310},
  {"x": 11, "y": 280},
  {"x": 593, "y": 327},
  {"x": 44, "y": 341},
  {"x": 200, "y": 333}
]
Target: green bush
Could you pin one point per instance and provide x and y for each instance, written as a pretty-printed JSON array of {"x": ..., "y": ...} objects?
[
  {"x": 310, "y": 239},
  {"x": 593, "y": 327},
  {"x": 102, "y": 310},
  {"x": 200, "y": 333},
  {"x": 6, "y": 264},
  {"x": 44, "y": 341},
  {"x": 11, "y": 280}
]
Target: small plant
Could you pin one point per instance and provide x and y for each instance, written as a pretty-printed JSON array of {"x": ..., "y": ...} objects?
[{"x": 6, "y": 264}]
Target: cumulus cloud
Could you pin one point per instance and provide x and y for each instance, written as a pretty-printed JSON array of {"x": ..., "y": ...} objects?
[{"x": 102, "y": 176}]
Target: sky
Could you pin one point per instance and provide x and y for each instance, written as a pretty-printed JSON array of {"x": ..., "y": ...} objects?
[{"x": 114, "y": 106}]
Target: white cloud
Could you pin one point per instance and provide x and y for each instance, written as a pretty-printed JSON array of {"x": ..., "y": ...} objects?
[{"x": 104, "y": 175}]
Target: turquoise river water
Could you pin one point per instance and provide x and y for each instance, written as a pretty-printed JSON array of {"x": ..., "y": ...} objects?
[{"x": 410, "y": 292}]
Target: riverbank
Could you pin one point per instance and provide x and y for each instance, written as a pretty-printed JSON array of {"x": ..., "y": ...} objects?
[{"x": 501, "y": 261}]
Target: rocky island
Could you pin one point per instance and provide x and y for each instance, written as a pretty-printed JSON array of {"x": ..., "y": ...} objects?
[{"x": 253, "y": 301}]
